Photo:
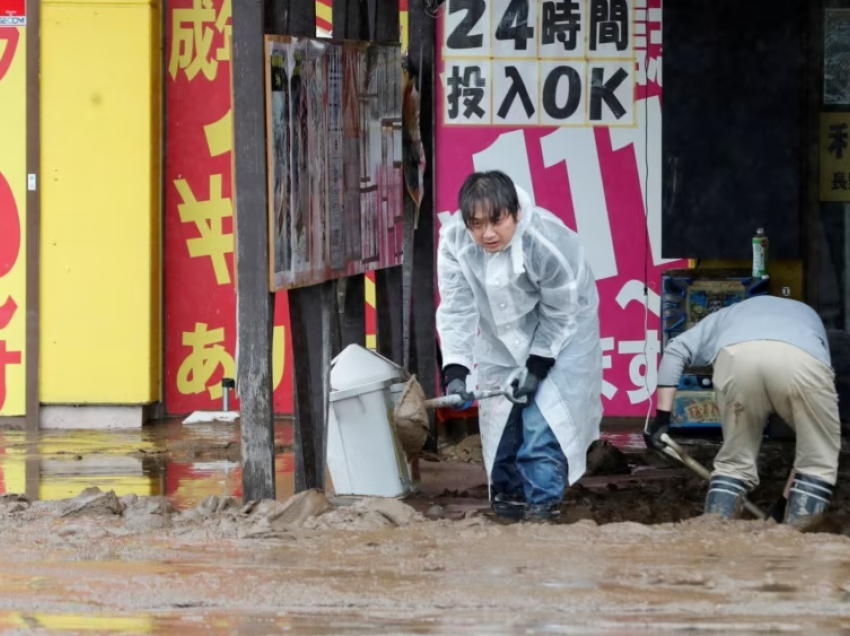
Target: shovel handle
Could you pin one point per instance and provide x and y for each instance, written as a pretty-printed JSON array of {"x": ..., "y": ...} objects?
[
  {"x": 677, "y": 452},
  {"x": 456, "y": 400}
]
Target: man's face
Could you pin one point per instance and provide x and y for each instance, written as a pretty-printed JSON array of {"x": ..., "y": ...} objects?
[{"x": 493, "y": 237}]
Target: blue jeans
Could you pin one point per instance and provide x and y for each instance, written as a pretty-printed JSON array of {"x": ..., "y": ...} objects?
[{"x": 529, "y": 464}]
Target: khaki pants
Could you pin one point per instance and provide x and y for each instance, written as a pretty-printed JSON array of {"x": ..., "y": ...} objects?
[{"x": 757, "y": 378}]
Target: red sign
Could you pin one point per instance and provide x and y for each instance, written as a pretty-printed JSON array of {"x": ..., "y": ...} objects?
[
  {"x": 200, "y": 294},
  {"x": 13, "y": 8}
]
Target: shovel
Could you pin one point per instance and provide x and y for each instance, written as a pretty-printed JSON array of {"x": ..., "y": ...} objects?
[
  {"x": 677, "y": 452},
  {"x": 410, "y": 415}
]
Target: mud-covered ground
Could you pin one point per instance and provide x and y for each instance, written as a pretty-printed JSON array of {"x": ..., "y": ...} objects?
[
  {"x": 100, "y": 564},
  {"x": 627, "y": 482},
  {"x": 630, "y": 556}
]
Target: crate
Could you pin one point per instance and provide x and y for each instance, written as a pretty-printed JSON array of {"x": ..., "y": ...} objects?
[
  {"x": 689, "y": 295},
  {"x": 695, "y": 405}
]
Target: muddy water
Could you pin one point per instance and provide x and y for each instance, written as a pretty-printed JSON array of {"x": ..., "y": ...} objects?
[
  {"x": 430, "y": 577},
  {"x": 184, "y": 463},
  {"x": 214, "y": 568}
]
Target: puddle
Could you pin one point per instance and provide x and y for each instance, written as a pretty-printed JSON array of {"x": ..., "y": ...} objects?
[{"x": 184, "y": 463}]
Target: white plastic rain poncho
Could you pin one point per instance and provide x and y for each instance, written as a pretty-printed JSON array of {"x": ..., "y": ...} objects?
[{"x": 539, "y": 297}]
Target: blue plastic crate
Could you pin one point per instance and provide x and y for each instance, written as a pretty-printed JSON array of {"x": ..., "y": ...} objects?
[
  {"x": 689, "y": 295},
  {"x": 695, "y": 404}
]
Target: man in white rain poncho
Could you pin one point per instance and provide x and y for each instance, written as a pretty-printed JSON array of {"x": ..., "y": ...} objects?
[{"x": 519, "y": 275}]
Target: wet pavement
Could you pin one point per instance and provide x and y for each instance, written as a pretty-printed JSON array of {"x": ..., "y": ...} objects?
[
  {"x": 206, "y": 569},
  {"x": 182, "y": 462}
]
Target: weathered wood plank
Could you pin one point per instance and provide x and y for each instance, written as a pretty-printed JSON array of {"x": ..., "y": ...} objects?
[
  {"x": 254, "y": 304},
  {"x": 388, "y": 300},
  {"x": 353, "y": 322},
  {"x": 421, "y": 44},
  {"x": 310, "y": 309}
]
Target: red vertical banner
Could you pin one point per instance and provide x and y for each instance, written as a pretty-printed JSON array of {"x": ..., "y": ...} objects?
[
  {"x": 13, "y": 179},
  {"x": 200, "y": 294}
]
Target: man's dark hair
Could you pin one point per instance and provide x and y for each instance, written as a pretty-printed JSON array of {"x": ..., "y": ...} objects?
[{"x": 492, "y": 192}]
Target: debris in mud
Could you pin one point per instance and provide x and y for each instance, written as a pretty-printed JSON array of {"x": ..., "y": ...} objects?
[
  {"x": 434, "y": 512},
  {"x": 366, "y": 514},
  {"x": 149, "y": 513},
  {"x": 301, "y": 507},
  {"x": 216, "y": 505},
  {"x": 467, "y": 450},
  {"x": 94, "y": 502},
  {"x": 273, "y": 519},
  {"x": 12, "y": 497},
  {"x": 603, "y": 458}
]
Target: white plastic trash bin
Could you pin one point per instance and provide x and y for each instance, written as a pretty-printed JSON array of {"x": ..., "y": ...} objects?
[
  {"x": 364, "y": 455},
  {"x": 356, "y": 366}
]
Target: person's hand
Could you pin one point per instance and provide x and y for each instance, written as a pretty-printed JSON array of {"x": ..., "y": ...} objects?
[
  {"x": 458, "y": 387},
  {"x": 658, "y": 427},
  {"x": 525, "y": 384}
]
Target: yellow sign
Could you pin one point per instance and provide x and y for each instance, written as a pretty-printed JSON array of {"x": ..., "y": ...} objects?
[
  {"x": 835, "y": 157},
  {"x": 13, "y": 179}
]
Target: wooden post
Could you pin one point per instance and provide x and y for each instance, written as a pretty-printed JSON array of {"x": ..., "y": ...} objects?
[
  {"x": 311, "y": 344},
  {"x": 353, "y": 319},
  {"x": 422, "y": 46},
  {"x": 254, "y": 303},
  {"x": 388, "y": 313}
]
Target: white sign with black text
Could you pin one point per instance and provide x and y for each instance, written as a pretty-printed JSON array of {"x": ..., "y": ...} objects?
[{"x": 527, "y": 63}]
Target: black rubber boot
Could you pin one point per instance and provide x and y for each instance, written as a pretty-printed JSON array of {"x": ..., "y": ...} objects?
[
  {"x": 725, "y": 497},
  {"x": 508, "y": 507},
  {"x": 542, "y": 513},
  {"x": 808, "y": 501}
]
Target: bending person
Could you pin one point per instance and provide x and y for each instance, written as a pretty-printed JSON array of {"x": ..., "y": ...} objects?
[
  {"x": 770, "y": 355},
  {"x": 518, "y": 299}
]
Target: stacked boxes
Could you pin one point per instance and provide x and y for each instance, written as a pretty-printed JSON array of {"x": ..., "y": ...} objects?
[{"x": 688, "y": 296}]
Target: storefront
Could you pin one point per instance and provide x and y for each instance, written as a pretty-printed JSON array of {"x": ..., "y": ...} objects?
[{"x": 116, "y": 250}]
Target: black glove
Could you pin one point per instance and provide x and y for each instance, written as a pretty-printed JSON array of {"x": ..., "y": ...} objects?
[
  {"x": 455, "y": 375},
  {"x": 659, "y": 426},
  {"x": 527, "y": 383}
]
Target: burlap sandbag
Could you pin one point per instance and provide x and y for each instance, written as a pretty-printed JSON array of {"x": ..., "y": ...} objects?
[{"x": 411, "y": 419}]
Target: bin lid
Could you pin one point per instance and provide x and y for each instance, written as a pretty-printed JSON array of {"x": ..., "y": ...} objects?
[
  {"x": 357, "y": 365},
  {"x": 356, "y": 391}
]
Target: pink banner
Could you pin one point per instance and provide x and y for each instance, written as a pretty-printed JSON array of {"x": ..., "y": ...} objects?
[{"x": 600, "y": 172}]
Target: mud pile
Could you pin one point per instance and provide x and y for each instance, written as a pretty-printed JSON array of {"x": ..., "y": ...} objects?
[
  {"x": 467, "y": 450},
  {"x": 216, "y": 517}
]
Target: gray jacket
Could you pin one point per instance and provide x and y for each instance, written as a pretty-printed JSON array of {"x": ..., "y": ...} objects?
[{"x": 758, "y": 318}]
